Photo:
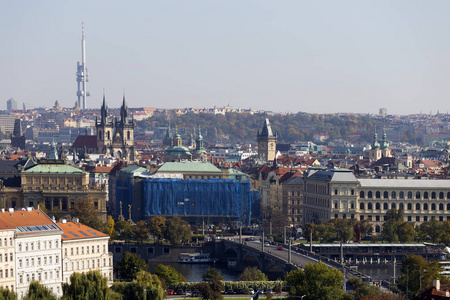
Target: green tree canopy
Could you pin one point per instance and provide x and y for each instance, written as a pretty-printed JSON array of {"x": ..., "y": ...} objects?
[
  {"x": 145, "y": 286},
  {"x": 38, "y": 291},
  {"x": 316, "y": 281},
  {"x": 168, "y": 274},
  {"x": 109, "y": 228},
  {"x": 90, "y": 285},
  {"x": 157, "y": 226},
  {"x": 141, "y": 231},
  {"x": 361, "y": 289},
  {"x": 124, "y": 230},
  {"x": 6, "y": 294},
  {"x": 395, "y": 229},
  {"x": 211, "y": 290},
  {"x": 252, "y": 274},
  {"x": 177, "y": 231},
  {"x": 130, "y": 265},
  {"x": 212, "y": 273},
  {"x": 85, "y": 211}
]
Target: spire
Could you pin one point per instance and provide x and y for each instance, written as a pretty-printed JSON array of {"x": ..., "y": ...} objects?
[
  {"x": 103, "y": 110},
  {"x": 266, "y": 130},
  {"x": 123, "y": 110}
]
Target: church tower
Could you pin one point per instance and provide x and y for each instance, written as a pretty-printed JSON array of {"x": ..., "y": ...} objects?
[
  {"x": 267, "y": 142},
  {"x": 105, "y": 130}
]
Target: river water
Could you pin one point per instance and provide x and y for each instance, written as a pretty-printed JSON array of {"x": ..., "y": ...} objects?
[{"x": 194, "y": 272}]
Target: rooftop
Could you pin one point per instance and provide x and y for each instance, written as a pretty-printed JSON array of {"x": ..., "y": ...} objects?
[
  {"x": 53, "y": 169},
  {"x": 76, "y": 231},
  {"x": 189, "y": 166},
  {"x": 405, "y": 183}
]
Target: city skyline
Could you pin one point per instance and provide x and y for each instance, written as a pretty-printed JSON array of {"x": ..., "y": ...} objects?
[{"x": 286, "y": 57}]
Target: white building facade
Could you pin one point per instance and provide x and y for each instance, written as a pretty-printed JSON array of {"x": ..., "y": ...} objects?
[{"x": 7, "y": 265}]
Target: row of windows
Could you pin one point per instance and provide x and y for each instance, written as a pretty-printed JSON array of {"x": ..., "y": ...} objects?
[
  {"x": 409, "y": 206},
  {"x": 108, "y": 135},
  {"x": 5, "y": 242},
  {"x": 38, "y": 276},
  {"x": 10, "y": 273},
  {"x": 401, "y": 195},
  {"x": 6, "y": 257},
  {"x": 78, "y": 252},
  {"x": 81, "y": 266},
  {"x": 32, "y": 245},
  {"x": 40, "y": 261}
]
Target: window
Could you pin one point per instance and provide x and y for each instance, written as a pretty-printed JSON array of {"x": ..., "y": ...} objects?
[
  {"x": 385, "y": 195},
  {"x": 393, "y": 195},
  {"x": 433, "y": 195},
  {"x": 425, "y": 195},
  {"x": 393, "y": 206},
  {"x": 361, "y": 205},
  {"x": 377, "y": 205},
  {"x": 87, "y": 250},
  {"x": 335, "y": 191},
  {"x": 409, "y": 195},
  {"x": 385, "y": 205},
  {"x": 98, "y": 248},
  {"x": 65, "y": 252},
  {"x": 377, "y": 194},
  {"x": 448, "y": 206},
  {"x": 417, "y": 195},
  {"x": 71, "y": 251},
  {"x": 369, "y": 194},
  {"x": 377, "y": 229},
  {"x": 417, "y": 219},
  {"x": 433, "y": 206},
  {"x": 441, "y": 206},
  {"x": 335, "y": 205},
  {"x": 20, "y": 262},
  {"x": 93, "y": 250},
  {"x": 409, "y": 218},
  {"x": 361, "y": 218},
  {"x": 441, "y": 195},
  {"x": 361, "y": 194},
  {"x": 417, "y": 206},
  {"x": 401, "y": 195},
  {"x": 377, "y": 218},
  {"x": 409, "y": 206},
  {"x": 150, "y": 250},
  {"x": 369, "y": 205},
  {"x": 425, "y": 218},
  {"x": 77, "y": 250},
  {"x": 400, "y": 206},
  {"x": 39, "y": 261},
  {"x": 352, "y": 192},
  {"x": 425, "y": 206},
  {"x": 104, "y": 248}
]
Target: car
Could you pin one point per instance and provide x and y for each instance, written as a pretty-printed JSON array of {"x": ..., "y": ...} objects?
[
  {"x": 230, "y": 291},
  {"x": 196, "y": 293},
  {"x": 267, "y": 244},
  {"x": 261, "y": 291},
  {"x": 170, "y": 292},
  {"x": 188, "y": 293},
  {"x": 280, "y": 248},
  {"x": 251, "y": 291},
  {"x": 180, "y": 292},
  {"x": 240, "y": 291}
]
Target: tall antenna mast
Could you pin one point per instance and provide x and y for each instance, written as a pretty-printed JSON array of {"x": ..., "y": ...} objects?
[{"x": 82, "y": 74}]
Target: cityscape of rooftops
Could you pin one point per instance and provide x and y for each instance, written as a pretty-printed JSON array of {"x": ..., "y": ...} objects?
[{"x": 210, "y": 150}]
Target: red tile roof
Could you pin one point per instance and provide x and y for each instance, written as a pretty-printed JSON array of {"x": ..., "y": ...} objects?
[
  {"x": 23, "y": 218},
  {"x": 90, "y": 141},
  {"x": 76, "y": 231}
]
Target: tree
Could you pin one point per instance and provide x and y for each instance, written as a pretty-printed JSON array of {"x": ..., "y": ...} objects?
[
  {"x": 124, "y": 230},
  {"x": 395, "y": 229},
  {"x": 252, "y": 274},
  {"x": 211, "y": 290},
  {"x": 6, "y": 294},
  {"x": 146, "y": 286},
  {"x": 168, "y": 274},
  {"x": 177, "y": 231},
  {"x": 130, "y": 265},
  {"x": 85, "y": 211},
  {"x": 157, "y": 226},
  {"x": 343, "y": 229},
  {"x": 316, "y": 281},
  {"x": 42, "y": 207},
  {"x": 39, "y": 291},
  {"x": 110, "y": 228},
  {"x": 420, "y": 273},
  {"x": 141, "y": 231},
  {"x": 212, "y": 273},
  {"x": 362, "y": 289},
  {"x": 433, "y": 230},
  {"x": 57, "y": 213},
  {"x": 90, "y": 285}
]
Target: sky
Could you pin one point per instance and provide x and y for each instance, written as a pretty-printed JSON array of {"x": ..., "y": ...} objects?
[{"x": 282, "y": 56}]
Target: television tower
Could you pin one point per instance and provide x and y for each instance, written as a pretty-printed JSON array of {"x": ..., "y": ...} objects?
[{"x": 82, "y": 74}]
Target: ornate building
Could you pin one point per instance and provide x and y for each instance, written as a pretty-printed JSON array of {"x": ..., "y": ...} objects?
[
  {"x": 267, "y": 143},
  {"x": 116, "y": 137},
  {"x": 177, "y": 151},
  {"x": 379, "y": 149}
]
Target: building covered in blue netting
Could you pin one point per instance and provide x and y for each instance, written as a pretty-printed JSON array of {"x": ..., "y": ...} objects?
[{"x": 195, "y": 200}]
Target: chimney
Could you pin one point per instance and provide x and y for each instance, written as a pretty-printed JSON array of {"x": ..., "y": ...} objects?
[
  {"x": 64, "y": 221},
  {"x": 446, "y": 293},
  {"x": 11, "y": 210},
  {"x": 29, "y": 208},
  {"x": 437, "y": 284}
]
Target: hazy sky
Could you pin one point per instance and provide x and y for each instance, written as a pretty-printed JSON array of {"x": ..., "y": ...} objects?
[{"x": 285, "y": 56}]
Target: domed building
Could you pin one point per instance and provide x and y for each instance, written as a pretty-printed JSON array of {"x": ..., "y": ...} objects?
[
  {"x": 199, "y": 152},
  {"x": 379, "y": 150},
  {"x": 177, "y": 151}
]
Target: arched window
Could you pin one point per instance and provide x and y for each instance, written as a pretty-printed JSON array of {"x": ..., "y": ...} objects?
[
  {"x": 441, "y": 206},
  {"x": 385, "y": 205},
  {"x": 377, "y": 194},
  {"x": 425, "y": 206},
  {"x": 448, "y": 195},
  {"x": 369, "y": 195},
  {"x": 99, "y": 134},
  {"x": 433, "y": 206},
  {"x": 410, "y": 195},
  {"x": 369, "y": 205},
  {"x": 417, "y": 206},
  {"x": 361, "y": 205},
  {"x": 393, "y": 205},
  {"x": 448, "y": 206},
  {"x": 433, "y": 195},
  {"x": 401, "y": 206},
  {"x": 417, "y": 195},
  {"x": 361, "y": 194},
  {"x": 377, "y": 228},
  {"x": 128, "y": 135},
  {"x": 401, "y": 195},
  {"x": 393, "y": 195},
  {"x": 377, "y": 205},
  {"x": 409, "y": 206},
  {"x": 385, "y": 195},
  {"x": 109, "y": 135},
  {"x": 441, "y": 195},
  {"x": 425, "y": 195}
]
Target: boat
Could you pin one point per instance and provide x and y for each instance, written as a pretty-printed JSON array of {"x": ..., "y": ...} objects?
[{"x": 195, "y": 258}]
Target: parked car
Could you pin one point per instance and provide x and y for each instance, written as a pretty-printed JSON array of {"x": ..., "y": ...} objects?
[
  {"x": 240, "y": 291},
  {"x": 251, "y": 291},
  {"x": 261, "y": 291},
  {"x": 280, "y": 248},
  {"x": 170, "y": 292},
  {"x": 180, "y": 292},
  {"x": 230, "y": 291},
  {"x": 196, "y": 293},
  {"x": 188, "y": 293},
  {"x": 267, "y": 244}
]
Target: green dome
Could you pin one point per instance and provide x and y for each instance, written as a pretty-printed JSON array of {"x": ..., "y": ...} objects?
[{"x": 177, "y": 151}]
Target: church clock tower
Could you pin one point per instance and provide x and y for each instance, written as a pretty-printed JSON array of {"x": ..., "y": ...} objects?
[{"x": 267, "y": 142}]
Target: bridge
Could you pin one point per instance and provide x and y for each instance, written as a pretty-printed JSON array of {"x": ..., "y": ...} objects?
[{"x": 270, "y": 260}]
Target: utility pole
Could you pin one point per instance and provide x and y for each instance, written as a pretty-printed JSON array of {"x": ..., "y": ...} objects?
[
  {"x": 289, "y": 253},
  {"x": 284, "y": 234},
  {"x": 310, "y": 241},
  {"x": 395, "y": 261},
  {"x": 262, "y": 242},
  {"x": 240, "y": 233}
]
